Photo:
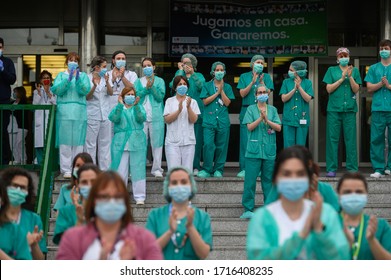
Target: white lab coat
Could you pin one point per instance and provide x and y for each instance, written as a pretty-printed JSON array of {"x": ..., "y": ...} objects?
[
  {"x": 118, "y": 86},
  {"x": 41, "y": 116}
]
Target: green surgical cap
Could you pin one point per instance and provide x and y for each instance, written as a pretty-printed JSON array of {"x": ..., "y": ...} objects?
[
  {"x": 214, "y": 65},
  {"x": 299, "y": 65},
  {"x": 255, "y": 58},
  {"x": 192, "y": 58}
]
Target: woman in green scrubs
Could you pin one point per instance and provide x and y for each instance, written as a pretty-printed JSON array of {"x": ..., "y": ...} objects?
[
  {"x": 64, "y": 198},
  {"x": 294, "y": 227},
  {"x": 247, "y": 86},
  {"x": 73, "y": 214},
  {"x": 369, "y": 237},
  {"x": 343, "y": 83},
  {"x": 296, "y": 93},
  {"x": 262, "y": 122},
  {"x": 216, "y": 95},
  {"x": 20, "y": 191},
  {"x": 13, "y": 242},
  {"x": 183, "y": 231}
]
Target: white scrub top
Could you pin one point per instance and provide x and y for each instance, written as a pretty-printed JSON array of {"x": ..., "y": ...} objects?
[
  {"x": 98, "y": 107},
  {"x": 118, "y": 85}
]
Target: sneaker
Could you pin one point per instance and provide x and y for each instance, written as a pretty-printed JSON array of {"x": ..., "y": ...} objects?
[
  {"x": 218, "y": 174},
  {"x": 376, "y": 175},
  {"x": 158, "y": 174},
  {"x": 67, "y": 175},
  {"x": 247, "y": 215},
  {"x": 331, "y": 174},
  {"x": 140, "y": 202},
  {"x": 387, "y": 172},
  {"x": 203, "y": 174},
  {"x": 241, "y": 174},
  {"x": 195, "y": 172}
]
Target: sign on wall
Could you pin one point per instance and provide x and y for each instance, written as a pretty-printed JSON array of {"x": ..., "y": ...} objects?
[{"x": 234, "y": 30}]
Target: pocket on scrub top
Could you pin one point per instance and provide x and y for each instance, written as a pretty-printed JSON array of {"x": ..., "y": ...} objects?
[{"x": 253, "y": 146}]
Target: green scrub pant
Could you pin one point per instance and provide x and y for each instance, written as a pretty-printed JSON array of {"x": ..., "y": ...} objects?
[
  {"x": 253, "y": 166},
  {"x": 243, "y": 139},
  {"x": 294, "y": 135},
  {"x": 215, "y": 148},
  {"x": 334, "y": 122},
  {"x": 379, "y": 122},
  {"x": 198, "y": 130}
]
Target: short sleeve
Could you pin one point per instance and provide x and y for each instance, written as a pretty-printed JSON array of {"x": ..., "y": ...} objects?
[
  {"x": 268, "y": 81},
  {"x": 328, "y": 79},
  {"x": 62, "y": 224},
  {"x": 151, "y": 223},
  {"x": 276, "y": 117},
  {"x": 22, "y": 249},
  {"x": 132, "y": 77},
  {"x": 194, "y": 107},
  {"x": 229, "y": 92},
  {"x": 371, "y": 77},
  {"x": 204, "y": 92},
  {"x": 356, "y": 76},
  {"x": 167, "y": 107},
  {"x": 284, "y": 88},
  {"x": 60, "y": 202},
  {"x": 242, "y": 83},
  {"x": 385, "y": 234},
  {"x": 309, "y": 89},
  {"x": 248, "y": 117},
  {"x": 206, "y": 232}
]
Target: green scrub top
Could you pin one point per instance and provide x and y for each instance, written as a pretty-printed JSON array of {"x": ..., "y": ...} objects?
[
  {"x": 296, "y": 108},
  {"x": 28, "y": 220},
  {"x": 245, "y": 79},
  {"x": 342, "y": 99},
  {"x": 381, "y": 100},
  {"x": 383, "y": 235},
  {"x": 325, "y": 189},
  {"x": 13, "y": 242},
  {"x": 261, "y": 141},
  {"x": 157, "y": 223},
  {"x": 65, "y": 220},
  {"x": 215, "y": 114},
  {"x": 196, "y": 82},
  {"x": 64, "y": 198},
  {"x": 263, "y": 239}
]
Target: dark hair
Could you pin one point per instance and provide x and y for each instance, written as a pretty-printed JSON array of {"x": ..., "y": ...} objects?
[
  {"x": 114, "y": 55},
  {"x": 10, "y": 173},
  {"x": 148, "y": 59},
  {"x": 86, "y": 158},
  {"x": 352, "y": 176},
  {"x": 86, "y": 167},
  {"x": 2, "y": 41},
  {"x": 45, "y": 72},
  {"x": 290, "y": 153},
  {"x": 22, "y": 94},
  {"x": 4, "y": 201},
  {"x": 101, "y": 183},
  {"x": 385, "y": 42},
  {"x": 97, "y": 61},
  {"x": 72, "y": 55},
  {"x": 176, "y": 81}
]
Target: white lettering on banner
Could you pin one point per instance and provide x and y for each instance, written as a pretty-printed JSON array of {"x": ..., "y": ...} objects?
[
  {"x": 212, "y": 23},
  {"x": 289, "y": 21},
  {"x": 217, "y": 34}
]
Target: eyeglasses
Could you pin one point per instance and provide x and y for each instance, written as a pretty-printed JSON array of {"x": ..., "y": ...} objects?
[{"x": 15, "y": 185}]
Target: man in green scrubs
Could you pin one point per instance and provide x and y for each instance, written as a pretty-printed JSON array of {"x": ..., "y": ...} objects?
[
  {"x": 378, "y": 81},
  {"x": 262, "y": 122},
  {"x": 296, "y": 93},
  {"x": 187, "y": 68},
  {"x": 343, "y": 83},
  {"x": 248, "y": 82}
]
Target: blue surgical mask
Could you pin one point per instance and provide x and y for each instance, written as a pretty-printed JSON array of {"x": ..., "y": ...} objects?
[
  {"x": 129, "y": 99},
  {"x": 293, "y": 188},
  {"x": 84, "y": 191},
  {"x": 343, "y": 61},
  {"x": 180, "y": 193},
  {"x": 102, "y": 72},
  {"x": 291, "y": 74},
  {"x": 72, "y": 65},
  {"x": 301, "y": 73},
  {"x": 120, "y": 63},
  {"x": 181, "y": 90},
  {"x": 16, "y": 196},
  {"x": 263, "y": 97},
  {"x": 75, "y": 169},
  {"x": 353, "y": 203},
  {"x": 148, "y": 71},
  {"x": 219, "y": 75},
  {"x": 110, "y": 211},
  {"x": 258, "y": 68},
  {"x": 384, "y": 54}
]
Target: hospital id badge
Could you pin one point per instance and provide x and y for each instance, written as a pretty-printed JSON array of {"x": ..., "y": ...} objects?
[
  {"x": 221, "y": 102},
  {"x": 303, "y": 121}
]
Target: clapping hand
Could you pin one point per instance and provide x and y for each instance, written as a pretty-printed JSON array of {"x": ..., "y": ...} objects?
[
  {"x": 188, "y": 101},
  {"x": 128, "y": 250},
  {"x": 35, "y": 236},
  {"x": 172, "y": 222},
  {"x": 190, "y": 217},
  {"x": 350, "y": 70},
  {"x": 371, "y": 228}
]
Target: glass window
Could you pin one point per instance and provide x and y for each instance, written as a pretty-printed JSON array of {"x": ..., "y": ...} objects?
[{"x": 30, "y": 36}]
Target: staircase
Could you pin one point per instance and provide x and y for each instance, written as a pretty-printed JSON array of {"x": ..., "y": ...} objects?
[{"x": 221, "y": 198}]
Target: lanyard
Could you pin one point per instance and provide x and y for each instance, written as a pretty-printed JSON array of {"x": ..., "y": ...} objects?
[
  {"x": 357, "y": 245},
  {"x": 174, "y": 235}
]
